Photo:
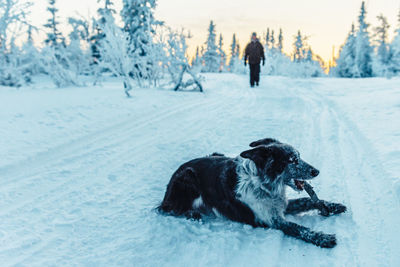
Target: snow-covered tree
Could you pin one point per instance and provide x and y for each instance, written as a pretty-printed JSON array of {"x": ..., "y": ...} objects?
[
  {"x": 345, "y": 64},
  {"x": 272, "y": 39},
  {"x": 381, "y": 63},
  {"x": 29, "y": 40},
  {"x": 79, "y": 58},
  {"x": 139, "y": 23},
  {"x": 303, "y": 64},
  {"x": 30, "y": 56},
  {"x": 13, "y": 22},
  {"x": 234, "y": 56},
  {"x": 240, "y": 67},
  {"x": 299, "y": 48},
  {"x": 280, "y": 41},
  {"x": 65, "y": 63},
  {"x": 105, "y": 12},
  {"x": 13, "y": 17},
  {"x": 175, "y": 60},
  {"x": 80, "y": 29},
  {"x": 211, "y": 57},
  {"x": 55, "y": 62},
  {"x": 267, "y": 40},
  {"x": 235, "y": 63},
  {"x": 54, "y": 36},
  {"x": 364, "y": 50},
  {"x": 394, "y": 65},
  {"x": 114, "y": 48},
  {"x": 381, "y": 32},
  {"x": 197, "y": 58},
  {"x": 221, "y": 53}
]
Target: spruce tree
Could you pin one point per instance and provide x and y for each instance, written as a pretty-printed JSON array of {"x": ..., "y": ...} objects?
[
  {"x": 233, "y": 54},
  {"x": 54, "y": 36},
  {"x": 106, "y": 13},
  {"x": 272, "y": 39},
  {"x": 197, "y": 58},
  {"x": 267, "y": 40},
  {"x": 345, "y": 64},
  {"x": 79, "y": 60},
  {"x": 363, "y": 58},
  {"x": 221, "y": 52},
  {"x": 299, "y": 48},
  {"x": 395, "y": 50},
  {"x": 280, "y": 41},
  {"x": 29, "y": 40},
  {"x": 211, "y": 57},
  {"x": 139, "y": 23},
  {"x": 106, "y": 16},
  {"x": 381, "y": 33}
]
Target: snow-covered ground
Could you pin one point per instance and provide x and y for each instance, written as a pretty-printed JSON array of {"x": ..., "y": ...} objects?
[{"x": 81, "y": 170}]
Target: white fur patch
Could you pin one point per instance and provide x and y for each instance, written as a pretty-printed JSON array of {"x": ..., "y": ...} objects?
[
  {"x": 266, "y": 199},
  {"x": 217, "y": 213},
  {"x": 197, "y": 203}
]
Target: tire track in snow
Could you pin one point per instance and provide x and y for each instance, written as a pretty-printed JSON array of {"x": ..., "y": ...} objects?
[
  {"x": 34, "y": 163},
  {"x": 120, "y": 137},
  {"x": 68, "y": 187},
  {"x": 317, "y": 142},
  {"x": 78, "y": 152},
  {"x": 335, "y": 188},
  {"x": 366, "y": 187},
  {"x": 370, "y": 193}
]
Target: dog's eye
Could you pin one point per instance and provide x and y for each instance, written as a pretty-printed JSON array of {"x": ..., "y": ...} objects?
[{"x": 293, "y": 160}]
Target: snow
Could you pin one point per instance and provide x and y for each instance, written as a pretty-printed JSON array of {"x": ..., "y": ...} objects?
[{"x": 82, "y": 169}]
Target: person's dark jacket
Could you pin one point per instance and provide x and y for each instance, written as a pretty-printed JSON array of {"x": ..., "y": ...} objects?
[{"x": 254, "y": 53}]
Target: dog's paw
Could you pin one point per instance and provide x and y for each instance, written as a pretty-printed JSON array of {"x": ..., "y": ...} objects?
[{"x": 325, "y": 240}]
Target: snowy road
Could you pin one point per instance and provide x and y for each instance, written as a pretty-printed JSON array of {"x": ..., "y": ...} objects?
[{"x": 79, "y": 178}]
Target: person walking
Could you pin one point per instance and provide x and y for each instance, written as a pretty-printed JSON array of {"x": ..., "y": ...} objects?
[{"x": 253, "y": 54}]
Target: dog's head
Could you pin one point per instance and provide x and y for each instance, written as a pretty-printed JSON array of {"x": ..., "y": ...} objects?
[{"x": 275, "y": 160}]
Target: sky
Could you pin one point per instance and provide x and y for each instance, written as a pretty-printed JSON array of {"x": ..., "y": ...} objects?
[{"x": 325, "y": 22}]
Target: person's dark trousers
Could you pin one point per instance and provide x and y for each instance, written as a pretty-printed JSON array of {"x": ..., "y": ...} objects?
[{"x": 254, "y": 74}]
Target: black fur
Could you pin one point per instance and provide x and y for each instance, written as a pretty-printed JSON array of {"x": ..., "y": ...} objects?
[
  {"x": 210, "y": 185},
  {"x": 215, "y": 177},
  {"x": 299, "y": 205}
]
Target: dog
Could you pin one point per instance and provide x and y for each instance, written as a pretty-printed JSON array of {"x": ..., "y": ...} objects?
[{"x": 249, "y": 189}]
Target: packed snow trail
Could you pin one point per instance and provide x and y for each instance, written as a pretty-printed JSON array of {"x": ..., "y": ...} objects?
[{"x": 85, "y": 194}]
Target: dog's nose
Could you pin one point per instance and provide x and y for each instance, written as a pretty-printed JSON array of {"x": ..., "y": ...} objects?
[{"x": 314, "y": 172}]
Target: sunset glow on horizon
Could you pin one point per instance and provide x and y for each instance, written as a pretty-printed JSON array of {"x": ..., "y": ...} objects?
[{"x": 326, "y": 23}]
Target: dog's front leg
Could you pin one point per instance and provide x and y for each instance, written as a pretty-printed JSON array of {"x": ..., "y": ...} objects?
[
  {"x": 305, "y": 204},
  {"x": 300, "y": 232},
  {"x": 300, "y": 205}
]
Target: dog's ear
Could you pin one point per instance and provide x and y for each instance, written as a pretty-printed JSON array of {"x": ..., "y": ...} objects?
[
  {"x": 272, "y": 159},
  {"x": 259, "y": 155},
  {"x": 265, "y": 141}
]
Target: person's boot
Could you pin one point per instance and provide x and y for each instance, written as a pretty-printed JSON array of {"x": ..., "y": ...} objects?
[{"x": 257, "y": 83}]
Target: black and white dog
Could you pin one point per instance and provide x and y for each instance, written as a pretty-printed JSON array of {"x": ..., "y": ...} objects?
[{"x": 248, "y": 189}]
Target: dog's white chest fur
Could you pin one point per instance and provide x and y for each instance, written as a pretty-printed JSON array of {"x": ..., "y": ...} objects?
[{"x": 267, "y": 200}]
